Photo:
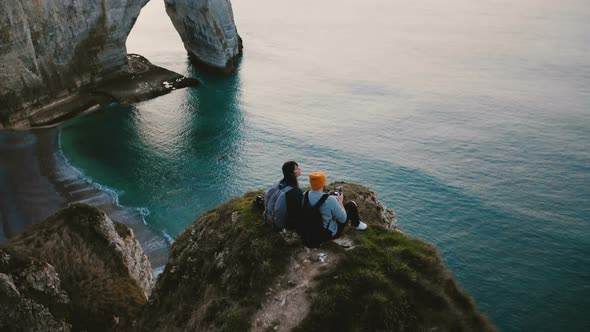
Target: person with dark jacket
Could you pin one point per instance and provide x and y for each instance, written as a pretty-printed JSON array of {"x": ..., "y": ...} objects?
[{"x": 294, "y": 197}]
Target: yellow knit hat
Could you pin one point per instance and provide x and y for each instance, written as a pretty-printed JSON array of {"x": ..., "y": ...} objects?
[{"x": 317, "y": 180}]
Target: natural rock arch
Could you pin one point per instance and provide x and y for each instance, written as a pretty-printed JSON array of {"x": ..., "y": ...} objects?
[
  {"x": 50, "y": 50},
  {"x": 208, "y": 31}
]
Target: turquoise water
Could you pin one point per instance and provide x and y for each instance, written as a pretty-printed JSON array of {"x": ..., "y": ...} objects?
[{"x": 470, "y": 120}]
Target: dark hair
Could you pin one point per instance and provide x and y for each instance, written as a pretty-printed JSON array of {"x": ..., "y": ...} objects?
[{"x": 289, "y": 173}]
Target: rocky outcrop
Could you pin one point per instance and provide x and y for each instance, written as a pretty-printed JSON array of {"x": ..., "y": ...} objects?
[
  {"x": 208, "y": 32},
  {"x": 143, "y": 81},
  {"x": 48, "y": 49},
  {"x": 80, "y": 268},
  {"x": 229, "y": 271},
  {"x": 31, "y": 296}
]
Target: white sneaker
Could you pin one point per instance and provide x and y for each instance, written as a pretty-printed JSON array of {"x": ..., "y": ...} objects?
[{"x": 361, "y": 227}]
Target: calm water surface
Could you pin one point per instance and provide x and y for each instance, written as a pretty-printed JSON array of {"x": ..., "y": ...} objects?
[{"x": 470, "y": 119}]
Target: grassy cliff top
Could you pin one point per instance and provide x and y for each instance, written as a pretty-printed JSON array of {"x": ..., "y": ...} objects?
[{"x": 229, "y": 271}]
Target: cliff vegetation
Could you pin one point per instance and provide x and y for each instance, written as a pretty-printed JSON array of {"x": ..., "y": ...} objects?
[{"x": 229, "y": 271}]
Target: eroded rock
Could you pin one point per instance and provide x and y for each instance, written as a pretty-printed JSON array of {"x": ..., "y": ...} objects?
[
  {"x": 50, "y": 48},
  {"x": 208, "y": 32},
  {"x": 53, "y": 54},
  {"x": 31, "y": 296},
  {"x": 86, "y": 267}
]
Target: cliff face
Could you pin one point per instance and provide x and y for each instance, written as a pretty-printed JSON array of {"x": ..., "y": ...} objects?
[
  {"x": 208, "y": 31},
  {"x": 50, "y": 48},
  {"x": 31, "y": 296},
  {"x": 78, "y": 268}
]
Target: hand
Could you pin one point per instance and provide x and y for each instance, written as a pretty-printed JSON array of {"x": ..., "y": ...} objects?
[{"x": 340, "y": 197}]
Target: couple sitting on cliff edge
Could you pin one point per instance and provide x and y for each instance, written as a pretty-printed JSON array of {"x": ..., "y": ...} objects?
[{"x": 288, "y": 207}]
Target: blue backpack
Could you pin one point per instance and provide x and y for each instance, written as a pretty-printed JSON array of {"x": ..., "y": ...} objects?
[{"x": 275, "y": 205}]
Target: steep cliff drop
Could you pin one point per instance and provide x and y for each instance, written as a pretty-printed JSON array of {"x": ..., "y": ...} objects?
[
  {"x": 77, "y": 269},
  {"x": 229, "y": 271},
  {"x": 50, "y": 49}
]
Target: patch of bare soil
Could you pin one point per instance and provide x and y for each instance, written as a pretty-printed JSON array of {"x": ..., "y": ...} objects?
[{"x": 287, "y": 302}]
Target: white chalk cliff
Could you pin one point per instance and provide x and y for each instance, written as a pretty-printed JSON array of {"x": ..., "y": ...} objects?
[
  {"x": 207, "y": 30},
  {"x": 51, "y": 49}
]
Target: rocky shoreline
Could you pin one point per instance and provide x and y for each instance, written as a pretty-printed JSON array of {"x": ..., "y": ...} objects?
[
  {"x": 143, "y": 81},
  {"x": 36, "y": 181}
]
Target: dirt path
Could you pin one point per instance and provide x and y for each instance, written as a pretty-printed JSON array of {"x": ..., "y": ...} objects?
[{"x": 287, "y": 303}]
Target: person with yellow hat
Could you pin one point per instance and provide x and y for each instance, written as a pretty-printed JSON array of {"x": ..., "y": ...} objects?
[{"x": 335, "y": 213}]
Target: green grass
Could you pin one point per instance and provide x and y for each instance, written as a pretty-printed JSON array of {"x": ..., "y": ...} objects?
[
  {"x": 229, "y": 265},
  {"x": 221, "y": 268},
  {"x": 391, "y": 282}
]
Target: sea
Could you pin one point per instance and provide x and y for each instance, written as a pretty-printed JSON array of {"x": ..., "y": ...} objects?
[{"x": 470, "y": 119}]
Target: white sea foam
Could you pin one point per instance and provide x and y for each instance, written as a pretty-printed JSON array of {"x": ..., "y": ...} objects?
[
  {"x": 168, "y": 238},
  {"x": 142, "y": 212},
  {"x": 157, "y": 271},
  {"x": 114, "y": 193}
]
